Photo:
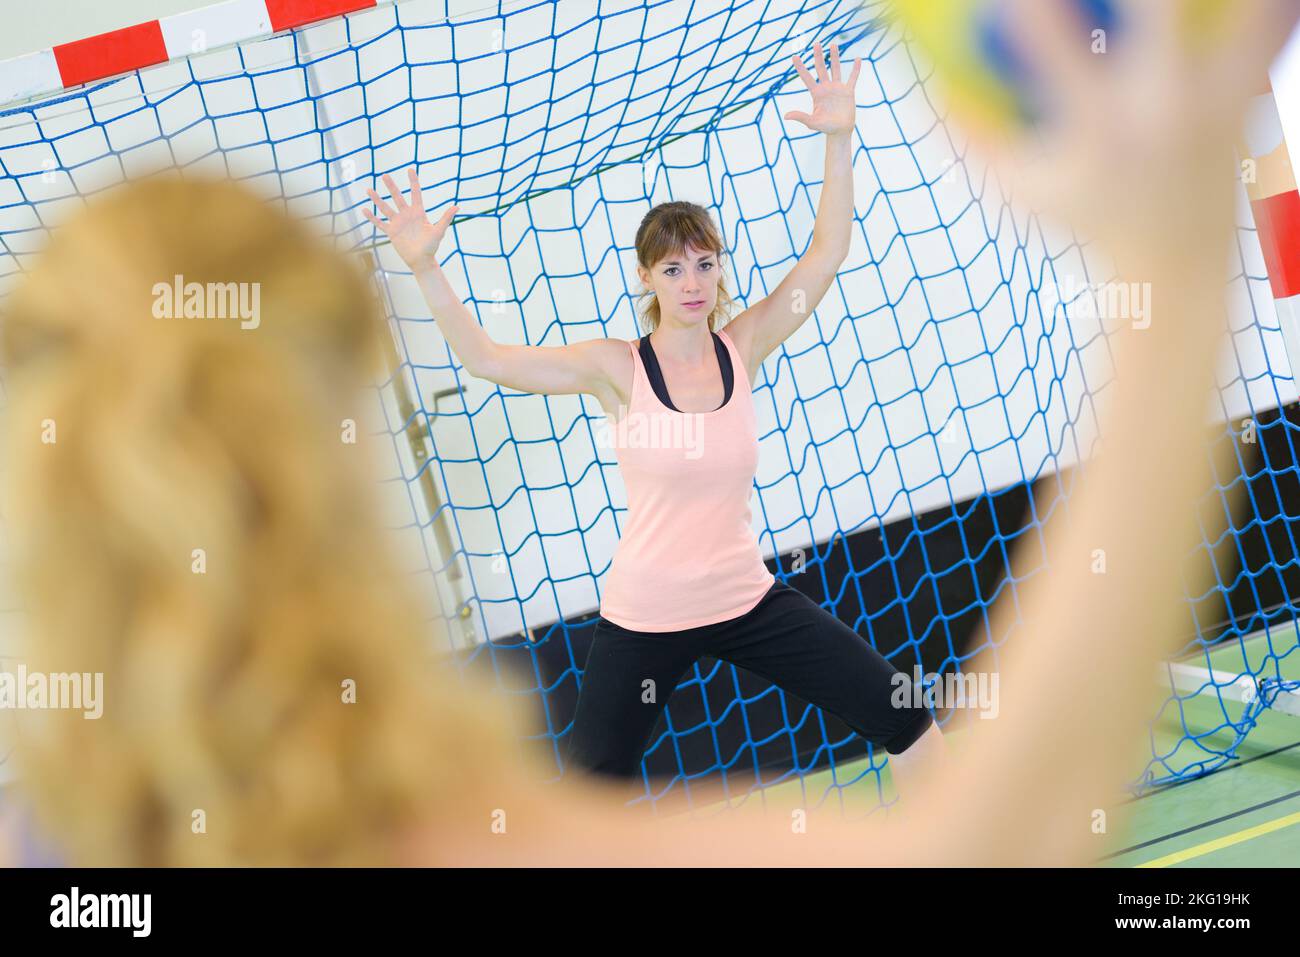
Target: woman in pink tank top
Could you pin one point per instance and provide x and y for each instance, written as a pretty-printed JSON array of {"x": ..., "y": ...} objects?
[
  {"x": 687, "y": 578},
  {"x": 688, "y": 555}
]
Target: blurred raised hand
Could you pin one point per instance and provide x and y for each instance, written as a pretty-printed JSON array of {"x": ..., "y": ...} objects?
[{"x": 1138, "y": 140}]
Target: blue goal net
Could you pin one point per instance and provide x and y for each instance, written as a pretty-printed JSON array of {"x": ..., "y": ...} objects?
[{"x": 918, "y": 434}]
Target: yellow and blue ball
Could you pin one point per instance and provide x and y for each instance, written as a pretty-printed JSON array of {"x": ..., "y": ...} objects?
[{"x": 984, "y": 78}]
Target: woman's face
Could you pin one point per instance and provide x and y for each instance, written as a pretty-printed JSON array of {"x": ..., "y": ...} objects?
[{"x": 686, "y": 285}]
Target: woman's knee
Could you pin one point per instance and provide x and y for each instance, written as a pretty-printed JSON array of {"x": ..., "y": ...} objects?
[{"x": 917, "y": 724}]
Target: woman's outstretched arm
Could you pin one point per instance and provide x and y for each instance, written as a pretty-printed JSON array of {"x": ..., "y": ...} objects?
[
  {"x": 546, "y": 370},
  {"x": 1141, "y": 158},
  {"x": 761, "y": 328},
  {"x": 416, "y": 240},
  {"x": 1076, "y": 680}
]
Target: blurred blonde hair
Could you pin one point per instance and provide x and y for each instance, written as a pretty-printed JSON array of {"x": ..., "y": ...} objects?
[
  {"x": 666, "y": 231},
  {"x": 223, "y": 690}
]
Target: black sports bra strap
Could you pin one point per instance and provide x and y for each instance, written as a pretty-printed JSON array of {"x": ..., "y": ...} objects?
[{"x": 652, "y": 369}]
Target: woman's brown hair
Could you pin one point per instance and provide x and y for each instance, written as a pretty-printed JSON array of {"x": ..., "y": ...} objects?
[{"x": 666, "y": 231}]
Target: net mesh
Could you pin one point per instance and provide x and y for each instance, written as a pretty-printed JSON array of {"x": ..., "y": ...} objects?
[{"x": 918, "y": 434}]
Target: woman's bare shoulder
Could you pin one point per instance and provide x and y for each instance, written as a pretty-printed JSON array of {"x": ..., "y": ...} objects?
[{"x": 614, "y": 357}]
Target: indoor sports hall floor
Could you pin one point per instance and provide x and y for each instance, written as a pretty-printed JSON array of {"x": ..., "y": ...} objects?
[{"x": 1246, "y": 814}]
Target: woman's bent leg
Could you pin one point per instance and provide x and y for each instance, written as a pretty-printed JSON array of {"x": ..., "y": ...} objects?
[{"x": 627, "y": 681}]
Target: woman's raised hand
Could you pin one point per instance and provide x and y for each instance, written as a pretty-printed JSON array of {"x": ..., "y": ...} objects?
[
  {"x": 407, "y": 226},
  {"x": 834, "y": 106}
]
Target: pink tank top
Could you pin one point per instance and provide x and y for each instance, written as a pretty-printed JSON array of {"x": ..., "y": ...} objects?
[{"x": 688, "y": 556}]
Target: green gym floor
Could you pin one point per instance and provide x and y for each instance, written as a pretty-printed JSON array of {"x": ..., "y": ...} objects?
[{"x": 1247, "y": 814}]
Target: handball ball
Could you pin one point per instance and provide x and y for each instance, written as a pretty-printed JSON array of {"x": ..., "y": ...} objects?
[{"x": 984, "y": 77}]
